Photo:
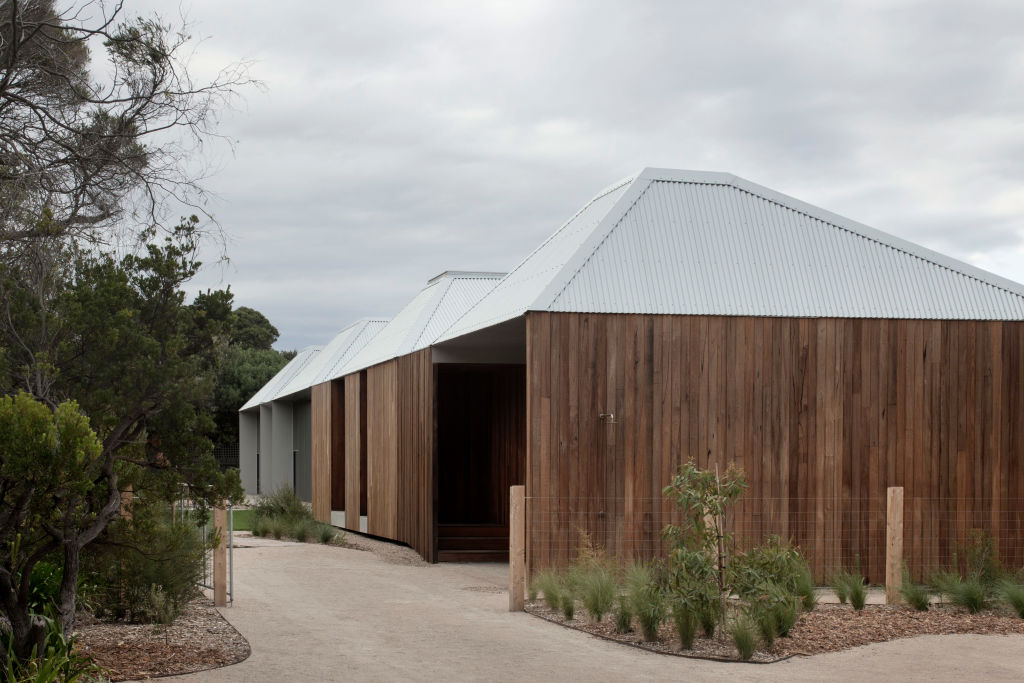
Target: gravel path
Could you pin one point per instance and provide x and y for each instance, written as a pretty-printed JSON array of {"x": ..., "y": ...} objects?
[{"x": 318, "y": 613}]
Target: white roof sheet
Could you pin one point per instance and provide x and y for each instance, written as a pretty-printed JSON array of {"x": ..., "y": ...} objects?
[
  {"x": 445, "y": 299},
  {"x": 272, "y": 389},
  {"x": 341, "y": 349},
  {"x": 699, "y": 243}
]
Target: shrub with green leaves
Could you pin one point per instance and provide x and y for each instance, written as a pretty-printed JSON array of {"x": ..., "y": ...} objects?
[
  {"x": 147, "y": 570},
  {"x": 62, "y": 659},
  {"x": 743, "y": 637},
  {"x": 773, "y": 562},
  {"x": 327, "y": 533}
]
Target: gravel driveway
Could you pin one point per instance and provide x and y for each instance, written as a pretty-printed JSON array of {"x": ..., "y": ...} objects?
[{"x": 314, "y": 613}]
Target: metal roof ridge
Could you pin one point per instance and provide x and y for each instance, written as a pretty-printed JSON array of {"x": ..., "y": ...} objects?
[
  {"x": 426, "y": 314},
  {"x": 879, "y": 236},
  {"x": 572, "y": 267},
  {"x": 467, "y": 274},
  {"x": 607, "y": 190}
]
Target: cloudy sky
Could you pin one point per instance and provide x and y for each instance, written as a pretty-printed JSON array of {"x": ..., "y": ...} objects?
[{"x": 396, "y": 140}]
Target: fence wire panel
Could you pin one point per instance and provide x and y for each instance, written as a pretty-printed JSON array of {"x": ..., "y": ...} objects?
[{"x": 832, "y": 533}]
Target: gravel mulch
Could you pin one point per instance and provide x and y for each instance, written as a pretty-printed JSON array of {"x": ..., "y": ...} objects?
[
  {"x": 200, "y": 639},
  {"x": 827, "y": 628}
]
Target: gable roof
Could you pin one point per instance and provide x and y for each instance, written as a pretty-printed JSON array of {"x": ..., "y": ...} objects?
[
  {"x": 272, "y": 389},
  {"x": 441, "y": 302},
  {"x": 700, "y": 243},
  {"x": 341, "y": 349}
]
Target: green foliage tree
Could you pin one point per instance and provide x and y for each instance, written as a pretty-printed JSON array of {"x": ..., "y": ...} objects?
[
  {"x": 117, "y": 336},
  {"x": 241, "y": 373},
  {"x": 250, "y": 329},
  {"x": 53, "y": 500}
]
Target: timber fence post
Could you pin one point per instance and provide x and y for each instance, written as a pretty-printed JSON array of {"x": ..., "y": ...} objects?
[
  {"x": 893, "y": 544},
  {"x": 516, "y": 548},
  {"x": 220, "y": 565}
]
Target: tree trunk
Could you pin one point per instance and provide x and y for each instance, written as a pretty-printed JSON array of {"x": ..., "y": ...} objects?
[{"x": 69, "y": 588}]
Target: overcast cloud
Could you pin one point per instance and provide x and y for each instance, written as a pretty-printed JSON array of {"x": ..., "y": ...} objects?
[{"x": 396, "y": 140}]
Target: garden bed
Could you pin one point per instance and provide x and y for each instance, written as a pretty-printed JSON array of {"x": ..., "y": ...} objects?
[
  {"x": 199, "y": 639},
  {"x": 827, "y": 628}
]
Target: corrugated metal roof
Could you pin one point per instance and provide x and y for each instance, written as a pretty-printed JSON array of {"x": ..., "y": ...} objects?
[
  {"x": 341, "y": 349},
  {"x": 272, "y": 389},
  {"x": 518, "y": 290},
  {"x": 698, "y": 243},
  {"x": 417, "y": 326}
]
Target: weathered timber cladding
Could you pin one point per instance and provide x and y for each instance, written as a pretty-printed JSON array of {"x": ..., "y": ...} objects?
[
  {"x": 821, "y": 414},
  {"x": 481, "y": 441},
  {"x": 322, "y": 450},
  {"x": 400, "y": 451},
  {"x": 355, "y": 450}
]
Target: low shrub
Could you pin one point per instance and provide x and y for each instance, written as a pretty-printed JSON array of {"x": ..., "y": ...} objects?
[
  {"x": 597, "y": 588},
  {"x": 260, "y": 527},
  {"x": 276, "y": 528},
  {"x": 62, "y": 659},
  {"x": 686, "y": 625},
  {"x": 146, "y": 570},
  {"x": 743, "y": 637},
  {"x": 767, "y": 625},
  {"x": 776, "y": 563},
  {"x": 623, "y": 616},
  {"x": 302, "y": 530},
  {"x": 1012, "y": 594},
  {"x": 807, "y": 591}
]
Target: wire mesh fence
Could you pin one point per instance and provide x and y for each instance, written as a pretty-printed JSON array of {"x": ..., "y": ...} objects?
[{"x": 832, "y": 533}]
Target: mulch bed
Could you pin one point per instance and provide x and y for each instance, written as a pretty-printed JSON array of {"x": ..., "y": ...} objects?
[
  {"x": 827, "y": 628},
  {"x": 200, "y": 639}
]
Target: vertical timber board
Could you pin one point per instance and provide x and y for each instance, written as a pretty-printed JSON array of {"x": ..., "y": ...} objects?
[
  {"x": 353, "y": 451},
  {"x": 824, "y": 414},
  {"x": 414, "y": 429},
  {"x": 321, "y": 422},
  {"x": 382, "y": 450}
]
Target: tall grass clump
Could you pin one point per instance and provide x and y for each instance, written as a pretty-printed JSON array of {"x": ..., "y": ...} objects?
[
  {"x": 840, "y": 584},
  {"x": 623, "y": 616},
  {"x": 549, "y": 585},
  {"x": 326, "y": 533},
  {"x": 686, "y": 624},
  {"x": 970, "y": 594},
  {"x": 916, "y": 595},
  {"x": 597, "y": 589},
  {"x": 1012, "y": 594},
  {"x": 568, "y": 606},
  {"x": 646, "y": 599},
  {"x": 858, "y": 591},
  {"x": 743, "y": 637}
]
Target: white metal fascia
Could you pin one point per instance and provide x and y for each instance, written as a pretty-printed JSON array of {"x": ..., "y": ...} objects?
[{"x": 270, "y": 391}]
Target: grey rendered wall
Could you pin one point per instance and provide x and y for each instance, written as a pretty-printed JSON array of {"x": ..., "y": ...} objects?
[
  {"x": 281, "y": 446},
  {"x": 302, "y": 444},
  {"x": 248, "y": 447},
  {"x": 266, "y": 449}
]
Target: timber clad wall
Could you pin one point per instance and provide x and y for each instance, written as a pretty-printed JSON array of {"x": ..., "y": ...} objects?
[
  {"x": 399, "y": 454},
  {"x": 821, "y": 414},
  {"x": 322, "y": 430}
]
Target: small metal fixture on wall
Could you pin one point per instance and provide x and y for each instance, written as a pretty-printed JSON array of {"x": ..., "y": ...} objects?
[{"x": 609, "y": 418}]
